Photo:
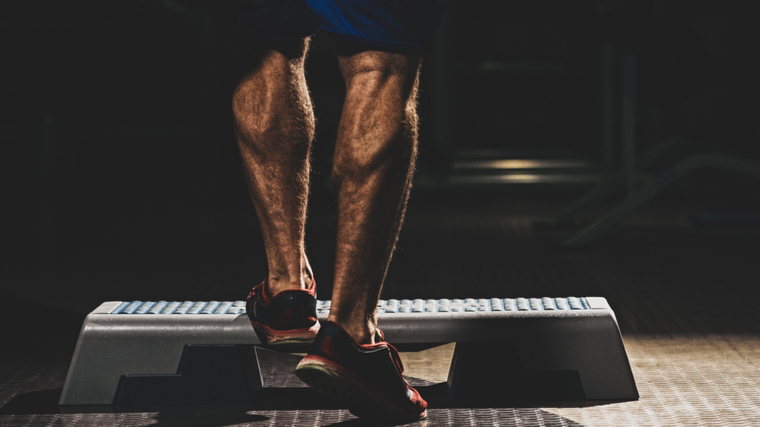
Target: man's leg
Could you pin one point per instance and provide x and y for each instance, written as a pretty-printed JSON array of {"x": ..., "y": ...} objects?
[
  {"x": 274, "y": 123},
  {"x": 372, "y": 170}
]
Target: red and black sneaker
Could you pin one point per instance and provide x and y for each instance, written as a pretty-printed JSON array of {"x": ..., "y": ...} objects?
[
  {"x": 288, "y": 318},
  {"x": 367, "y": 378}
]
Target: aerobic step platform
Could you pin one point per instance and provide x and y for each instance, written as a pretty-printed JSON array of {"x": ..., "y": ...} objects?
[{"x": 537, "y": 349}]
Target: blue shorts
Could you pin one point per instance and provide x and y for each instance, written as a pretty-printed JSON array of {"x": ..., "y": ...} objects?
[{"x": 391, "y": 24}]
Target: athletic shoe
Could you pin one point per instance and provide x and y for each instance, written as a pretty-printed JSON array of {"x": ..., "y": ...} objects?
[
  {"x": 367, "y": 378},
  {"x": 288, "y": 318}
]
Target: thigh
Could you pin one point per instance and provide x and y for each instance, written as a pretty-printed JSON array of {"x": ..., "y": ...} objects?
[
  {"x": 283, "y": 19},
  {"x": 386, "y": 24}
]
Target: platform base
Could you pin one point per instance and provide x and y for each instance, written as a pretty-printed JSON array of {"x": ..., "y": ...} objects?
[
  {"x": 548, "y": 350},
  {"x": 488, "y": 373},
  {"x": 207, "y": 375}
]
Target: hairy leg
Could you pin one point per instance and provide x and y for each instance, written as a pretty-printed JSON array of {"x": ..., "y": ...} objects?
[
  {"x": 372, "y": 169},
  {"x": 274, "y": 123}
]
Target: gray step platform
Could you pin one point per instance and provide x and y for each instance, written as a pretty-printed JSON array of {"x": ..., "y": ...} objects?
[{"x": 549, "y": 349}]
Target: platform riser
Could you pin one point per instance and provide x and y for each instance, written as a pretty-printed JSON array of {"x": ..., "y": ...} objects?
[{"x": 584, "y": 346}]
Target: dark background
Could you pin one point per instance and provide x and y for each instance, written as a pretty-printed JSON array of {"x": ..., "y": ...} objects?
[{"x": 122, "y": 181}]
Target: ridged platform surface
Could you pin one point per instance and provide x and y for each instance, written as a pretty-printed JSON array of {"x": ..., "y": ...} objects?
[
  {"x": 391, "y": 306},
  {"x": 567, "y": 334}
]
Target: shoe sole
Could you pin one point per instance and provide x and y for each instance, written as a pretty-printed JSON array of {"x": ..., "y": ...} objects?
[
  {"x": 345, "y": 387},
  {"x": 273, "y": 337}
]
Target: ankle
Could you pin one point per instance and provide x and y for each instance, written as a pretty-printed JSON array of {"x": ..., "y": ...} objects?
[
  {"x": 279, "y": 283},
  {"x": 361, "y": 332}
]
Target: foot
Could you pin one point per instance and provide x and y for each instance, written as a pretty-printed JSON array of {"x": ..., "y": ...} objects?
[
  {"x": 367, "y": 378},
  {"x": 288, "y": 318}
]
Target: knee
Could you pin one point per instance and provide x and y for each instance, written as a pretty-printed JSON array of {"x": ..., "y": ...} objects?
[
  {"x": 387, "y": 79},
  {"x": 360, "y": 61},
  {"x": 381, "y": 91}
]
